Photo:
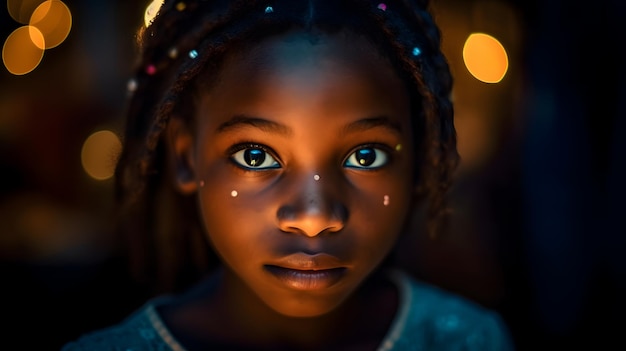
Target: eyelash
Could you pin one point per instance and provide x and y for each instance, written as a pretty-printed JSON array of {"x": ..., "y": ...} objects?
[
  {"x": 234, "y": 150},
  {"x": 386, "y": 150},
  {"x": 241, "y": 163}
]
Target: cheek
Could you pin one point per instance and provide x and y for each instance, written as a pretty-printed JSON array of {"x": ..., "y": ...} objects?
[
  {"x": 382, "y": 210},
  {"x": 232, "y": 210},
  {"x": 389, "y": 194},
  {"x": 228, "y": 225},
  {"x": 218, "y": 202}
]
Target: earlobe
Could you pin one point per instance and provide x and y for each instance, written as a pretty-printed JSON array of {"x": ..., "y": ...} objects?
[{"x": 181, "y": 156}]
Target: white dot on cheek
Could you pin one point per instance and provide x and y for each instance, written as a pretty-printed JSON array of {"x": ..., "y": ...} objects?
[
  {"x": 386, "y": 200},
  {"x": 316, "y": 177},
  {"x": 234, "y": 193}
]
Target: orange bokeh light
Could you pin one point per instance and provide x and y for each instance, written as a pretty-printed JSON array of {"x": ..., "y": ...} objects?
[
  {"x": 54, "y": 20},
  {"x": 23, "y": 50},
  {"x": 99, "y": 154},
  {"x": 21, "y": 10},
  {"x": 485, "y": 58}
]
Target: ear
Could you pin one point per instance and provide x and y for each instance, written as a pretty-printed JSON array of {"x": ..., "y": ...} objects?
[{"x": 181, "y": 156}]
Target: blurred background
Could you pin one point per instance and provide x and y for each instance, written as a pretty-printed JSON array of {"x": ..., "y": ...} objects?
[{"x": 538, "y": 231}]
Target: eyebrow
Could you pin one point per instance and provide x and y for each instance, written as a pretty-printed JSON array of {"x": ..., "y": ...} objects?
[
  {"x": 373, "y": 122},
  {"x": 239, "y": 121}
]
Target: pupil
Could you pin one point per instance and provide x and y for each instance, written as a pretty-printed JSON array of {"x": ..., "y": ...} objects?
[
  {"x": 254, "y": 157},
  {"x": 366, "y": 157}
]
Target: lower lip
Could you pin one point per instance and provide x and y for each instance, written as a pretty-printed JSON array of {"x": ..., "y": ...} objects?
[{"x": 307, "y": 279}]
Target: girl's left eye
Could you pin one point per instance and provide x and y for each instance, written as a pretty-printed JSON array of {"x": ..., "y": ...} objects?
[
  {"x": 367, "y": 158},
  {"x": 254, "y": 157}
]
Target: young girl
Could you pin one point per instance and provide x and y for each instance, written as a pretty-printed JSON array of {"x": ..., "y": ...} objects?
[{"x": 273, "y": 155}]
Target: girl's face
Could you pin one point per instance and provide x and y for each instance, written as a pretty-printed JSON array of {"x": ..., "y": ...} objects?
[{"x": 304, "y": 161}]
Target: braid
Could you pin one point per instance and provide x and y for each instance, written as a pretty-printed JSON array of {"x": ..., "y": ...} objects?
[
  {"x": 188, "y": 40},
  {"x": 431, "y": 74},
  {"x": 441, "y": 153}
]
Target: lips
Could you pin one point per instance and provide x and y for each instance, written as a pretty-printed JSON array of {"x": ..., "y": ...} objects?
[
  {"x": 307, "y": 279},
  {"x": 302, "y": 271}
]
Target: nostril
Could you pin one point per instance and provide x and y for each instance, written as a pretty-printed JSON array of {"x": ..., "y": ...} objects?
[{"x": 312, "y": 221}]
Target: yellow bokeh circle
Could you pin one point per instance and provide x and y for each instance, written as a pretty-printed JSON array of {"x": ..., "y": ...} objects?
[
  {"x": 54, "y": 19},
  {"x": 485, "y": 58},
  {"x": 21, "y": 10},
  {"x": 23, "y": 50},
  {"x": 152, "y": 10},
  {"x": 99, "y": 154}
]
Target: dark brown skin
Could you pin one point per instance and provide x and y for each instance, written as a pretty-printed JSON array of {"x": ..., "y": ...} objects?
[{"x": 302, "y": 106}]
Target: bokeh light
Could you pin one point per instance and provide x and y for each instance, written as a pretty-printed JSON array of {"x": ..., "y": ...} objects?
[
  {"x": 23, "y": 50},
  {"x": 54, "y": 19},
  {"x": 49, "y": 23},
  {"x": 99, "y": 154},
  {"x": 485, "y": 58},
  {"x": 151, "y": 11},
  {"x": 21, "y": 10}
]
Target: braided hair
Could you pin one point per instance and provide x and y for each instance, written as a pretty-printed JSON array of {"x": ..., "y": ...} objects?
[{"x": 182, "y": 50}]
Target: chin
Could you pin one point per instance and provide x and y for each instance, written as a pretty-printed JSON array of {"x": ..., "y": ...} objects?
[{"x": 305, "y": 307}]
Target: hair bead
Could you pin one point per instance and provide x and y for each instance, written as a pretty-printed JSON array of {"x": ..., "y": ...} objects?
[
  {"x": 131, "y": 86},
  {"x": 151, "y": 69},
  {"x": 173, "y": 53}
]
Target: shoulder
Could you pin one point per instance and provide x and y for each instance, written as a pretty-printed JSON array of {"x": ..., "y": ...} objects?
[
  {"x": 138, "y": 332},
  {"x": 441, "y": 320}
]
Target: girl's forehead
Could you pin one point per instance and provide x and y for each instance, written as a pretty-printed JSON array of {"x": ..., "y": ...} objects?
[
  {"x": 297, "y": 49},
  {"x": 297, "y": 74}
]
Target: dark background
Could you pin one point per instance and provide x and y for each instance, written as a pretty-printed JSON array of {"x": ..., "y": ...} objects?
[{"x": 538, "y": 232}]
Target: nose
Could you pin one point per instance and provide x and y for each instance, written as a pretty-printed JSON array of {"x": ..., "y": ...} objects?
[{"x": 312, "y": 208}]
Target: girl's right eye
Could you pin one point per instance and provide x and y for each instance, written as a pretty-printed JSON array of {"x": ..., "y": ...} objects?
[{"x": 254, "y": 157}]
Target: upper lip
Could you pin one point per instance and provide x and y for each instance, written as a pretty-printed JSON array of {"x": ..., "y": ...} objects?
[{"x": 308, "y": 262}]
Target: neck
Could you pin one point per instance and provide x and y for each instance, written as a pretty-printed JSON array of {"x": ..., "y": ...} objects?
[{"x": 238, "y": 317}]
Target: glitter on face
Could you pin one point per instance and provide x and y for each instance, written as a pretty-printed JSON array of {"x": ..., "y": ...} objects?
[
  {"x": 416, "y": 51},
  {"x": 234, "y": 193},
  {"x": 181, "y": 6},
  {"x": 269, "y": 9},
  {"x": 193, "y": 54},
  {"x": 386, "y": 200},
  {"x": 399, "y": 147},
  {"x": 316, "y": 177},
  {"x": 382, "y": 6}
]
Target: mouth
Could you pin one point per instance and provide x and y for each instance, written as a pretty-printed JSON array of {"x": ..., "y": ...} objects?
[{"x": 307, "y": 279}]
